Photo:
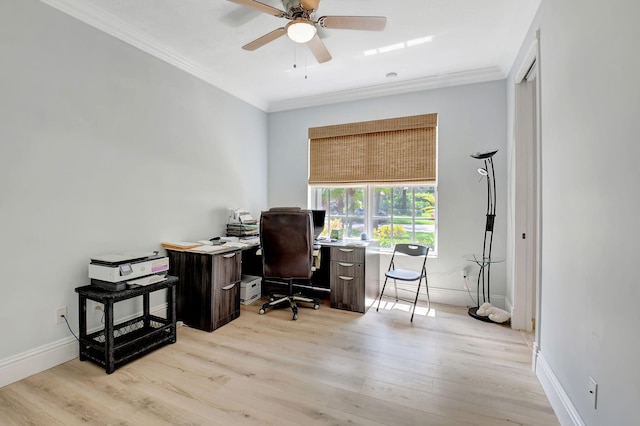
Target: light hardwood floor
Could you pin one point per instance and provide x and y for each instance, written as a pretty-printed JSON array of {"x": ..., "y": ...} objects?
[{"x": 329, "y": 367}]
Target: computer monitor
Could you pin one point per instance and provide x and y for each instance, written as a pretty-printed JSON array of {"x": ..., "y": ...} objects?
[{"x": 318, "y": 222}]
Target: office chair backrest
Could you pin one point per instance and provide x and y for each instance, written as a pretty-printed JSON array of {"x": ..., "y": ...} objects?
[{"x": 286, "y": 238}]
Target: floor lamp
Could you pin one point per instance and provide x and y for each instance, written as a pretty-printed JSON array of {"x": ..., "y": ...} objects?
[{"x": 484, "y": 262}]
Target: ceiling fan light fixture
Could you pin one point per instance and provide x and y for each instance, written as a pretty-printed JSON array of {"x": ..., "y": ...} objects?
[{"x": 300, "y": 30}]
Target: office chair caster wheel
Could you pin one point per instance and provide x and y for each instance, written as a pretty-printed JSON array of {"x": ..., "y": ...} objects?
[
  {"x": 261, "y": 311},
  {"x": 316, "y": 306}
]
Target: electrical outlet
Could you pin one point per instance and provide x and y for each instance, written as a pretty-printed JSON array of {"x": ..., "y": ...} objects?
[
  {"x": 60, "y": 312},
  {"x": 464, "y": 273},
  {"x": 95, "y": 307},
  {"x": 593, "y": 392}
]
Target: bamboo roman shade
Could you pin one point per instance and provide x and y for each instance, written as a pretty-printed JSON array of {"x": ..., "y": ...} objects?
[{"x": 396, "y": 150}]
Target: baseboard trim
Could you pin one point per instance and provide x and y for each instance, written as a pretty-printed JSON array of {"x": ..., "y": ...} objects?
[
  {"x": 28, "y": 363},
  {"x": 445, "y": 296},
  {"x": 560, "y": 402}
]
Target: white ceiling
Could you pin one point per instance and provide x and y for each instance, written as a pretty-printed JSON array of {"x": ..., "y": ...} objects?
[{"x": 472, "y": 41}]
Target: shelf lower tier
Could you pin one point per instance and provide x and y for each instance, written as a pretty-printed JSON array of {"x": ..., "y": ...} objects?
[{"x": 132, "y": 339}]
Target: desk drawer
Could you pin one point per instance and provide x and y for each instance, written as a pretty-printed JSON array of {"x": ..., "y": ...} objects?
[
  {"x": 347, "y": 284},
  {"x": 226, "y": 269},
  {"x": 226, "y": 304},
  {"x": 346, "y": 270},
  {"x": 347, "y": 254}
]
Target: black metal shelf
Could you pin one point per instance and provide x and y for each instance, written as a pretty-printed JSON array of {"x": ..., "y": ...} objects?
[{"x": 118, "y": 344}]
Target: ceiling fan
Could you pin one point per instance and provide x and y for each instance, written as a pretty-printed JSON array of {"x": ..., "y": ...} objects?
[{"x": 302, "y": 28}]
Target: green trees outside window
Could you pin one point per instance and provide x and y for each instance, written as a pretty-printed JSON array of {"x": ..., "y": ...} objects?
[{"x": 390, "y": 214}]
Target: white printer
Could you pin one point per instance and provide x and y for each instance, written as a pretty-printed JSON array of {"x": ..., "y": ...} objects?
[{"x": 115, "y": 271}]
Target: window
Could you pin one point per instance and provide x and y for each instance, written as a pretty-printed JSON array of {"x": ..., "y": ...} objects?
[
  {"x": 378, "y": 178},
  {"x": 388, "y": 213}
]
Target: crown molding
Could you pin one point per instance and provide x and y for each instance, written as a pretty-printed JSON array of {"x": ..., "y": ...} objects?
[
  {"x": 416, "y": 85},
  {"x": 119, "y": 29}
]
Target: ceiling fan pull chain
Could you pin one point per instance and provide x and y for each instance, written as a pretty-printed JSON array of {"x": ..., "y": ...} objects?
[{"x": 294, "y": 56}]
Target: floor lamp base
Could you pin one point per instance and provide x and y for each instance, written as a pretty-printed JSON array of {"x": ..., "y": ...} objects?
[{"x": 473, "y": 312}]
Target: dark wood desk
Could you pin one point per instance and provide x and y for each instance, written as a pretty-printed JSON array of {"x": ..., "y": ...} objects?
[
  {"x": 209, "y": 293},
  {"x": 349, "y": 271}
]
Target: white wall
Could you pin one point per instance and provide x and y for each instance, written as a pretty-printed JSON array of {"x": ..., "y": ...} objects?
[
  {"x": 471, "y": 118},
  {"x": 590, "y": 103},
  {"x": 103, "y": 149}
]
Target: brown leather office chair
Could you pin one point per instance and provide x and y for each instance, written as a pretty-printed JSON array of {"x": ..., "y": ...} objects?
[{"x": 286, "y": 239}]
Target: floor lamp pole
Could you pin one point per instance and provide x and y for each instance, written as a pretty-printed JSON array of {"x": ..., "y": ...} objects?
[
  {"x": 488, "y": 229},
  {"x": 484, "y": 276}
]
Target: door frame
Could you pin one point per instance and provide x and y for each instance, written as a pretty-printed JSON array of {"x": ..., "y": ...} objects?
[{"x": 527, "y": 219}]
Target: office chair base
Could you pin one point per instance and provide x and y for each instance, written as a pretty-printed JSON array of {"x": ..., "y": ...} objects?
[{"x": 279, "y": 300}]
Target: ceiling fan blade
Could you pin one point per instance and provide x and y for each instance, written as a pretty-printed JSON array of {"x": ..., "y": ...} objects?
[
  {"x": 369, "y": 23},
  {"x": 265, "y": 8},
  {"x": 310, "y": 4},
  {"x": 319, "y": 50},
  {"x": 267, "y": 38}
]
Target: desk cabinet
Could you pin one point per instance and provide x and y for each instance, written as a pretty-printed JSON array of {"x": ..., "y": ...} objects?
[
  {"x": 209, "y": 293},
  {"x": 354, "y": 272}
]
